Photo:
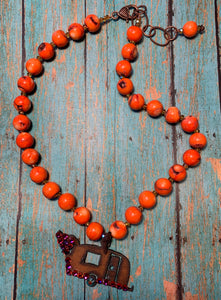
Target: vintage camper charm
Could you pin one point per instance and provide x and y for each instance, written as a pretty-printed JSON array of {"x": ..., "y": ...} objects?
[{"x": 112, "y": 268}]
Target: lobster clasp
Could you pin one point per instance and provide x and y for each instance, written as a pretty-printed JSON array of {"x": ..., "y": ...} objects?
[
  {"x": 129, "y": 13},
  {"x": 124, "y": 13}
]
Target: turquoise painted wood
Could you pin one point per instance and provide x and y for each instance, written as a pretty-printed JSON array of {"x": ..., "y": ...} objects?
[{"x": 95, "y": 147}]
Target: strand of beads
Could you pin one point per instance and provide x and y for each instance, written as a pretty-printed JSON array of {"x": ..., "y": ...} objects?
[
  {"x": 25, "y": 141},
  {"x": 39, "y": 175},
  {"x": 154, "y": 108}
]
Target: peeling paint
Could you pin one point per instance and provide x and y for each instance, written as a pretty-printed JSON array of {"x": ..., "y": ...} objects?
[
  {"x": 95, "y": 294},
  {"x": 170, "y": 289},
  {"x": 216, "y": 165},
  {"x": 138, "y": 271}
]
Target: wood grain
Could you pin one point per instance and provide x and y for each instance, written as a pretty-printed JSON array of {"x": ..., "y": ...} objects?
[
  {"x": 95, "y": 147},
  {"x": 200, "y": 198},
  {"x": 9, "y": 183}
]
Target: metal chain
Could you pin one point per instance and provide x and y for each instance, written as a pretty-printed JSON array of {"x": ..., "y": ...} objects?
[{"x": 133, "y": 12}]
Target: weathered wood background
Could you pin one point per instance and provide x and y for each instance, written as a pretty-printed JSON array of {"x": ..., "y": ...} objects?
[{"x": 97, "y": 148}]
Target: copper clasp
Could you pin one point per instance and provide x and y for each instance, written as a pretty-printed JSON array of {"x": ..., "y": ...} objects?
[{"x": 130, "y": 13}]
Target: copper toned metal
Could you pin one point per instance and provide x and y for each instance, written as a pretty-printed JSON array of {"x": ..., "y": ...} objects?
[
  {"x": 152, "y": 31},
  {"x": 105, "y": 19},
  {"x": 130, "y": 13},
  {"x": 170, "y": 34},
  {"x": 201, "y": 28},
  {"x": 134, "y": 12}
]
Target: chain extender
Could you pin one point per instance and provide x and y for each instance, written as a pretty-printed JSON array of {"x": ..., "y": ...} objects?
[{"x": 136, "y": 13}]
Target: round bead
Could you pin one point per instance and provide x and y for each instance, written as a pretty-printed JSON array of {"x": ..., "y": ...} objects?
[
  {"x": 22, "y": 103},
  {"x": 177, "y": 173},
  {"x": 118, "y": 230},
  {"x": 163, "y": 186},
  {"x": 76, "y": 31},
  {"x": 24, "y": 140},
  {"x": 190, "y": 29},
  {"x": 191, "y": 157},
  {"x": 67, "y": 201},
  {"x": 30, "y": 156},
  {"x": 154, "y": 108},
  {"x": 125, "y": 86},
  {"x": 134, "y": 34},
  {"x": 133, "y": 215},
  {"x": 82, "y": 215},
  {"x": 136, "y": 102},
  {"x": 172, "y": 115},
  {"x": 123, "y": 68},
  {"x": 94, "y": 231},
  {"x": 34, "y": 66},
  {"x": 198, "y": 140},
  {"x": 46, "y": 51},
  {"x": 59, "y": 38},
  {"x": 92, "y": 22},
  {"x": 147, "y": 199},
  {"x": 50, "y": 190},
  {"x": 190, "y": 124},
  {"x": 21, "y": 123},
  {"x": 38, "y": 174},
  {"x": 129, "y": 51},
  {"x": 26, "y": 84}
]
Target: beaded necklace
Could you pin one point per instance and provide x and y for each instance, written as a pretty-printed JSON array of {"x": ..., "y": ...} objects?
[{"x": 113, "y": 268}]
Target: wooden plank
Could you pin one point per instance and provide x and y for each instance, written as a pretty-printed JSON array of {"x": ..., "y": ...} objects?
[
  {"x": 95, "y": 147},
  {"x": 142, "y": 156},
  {"x": 131, "y": 139},
  {"x": 11, "y": 50},
  {"x": 58, "y": 126},
  {"x": 196, "y": 82}
]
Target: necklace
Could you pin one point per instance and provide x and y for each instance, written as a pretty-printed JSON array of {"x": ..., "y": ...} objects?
[{"x": 113, "y": 268}]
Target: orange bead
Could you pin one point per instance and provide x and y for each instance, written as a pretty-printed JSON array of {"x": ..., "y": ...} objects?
[
  {"x": 26, "y": 84},
  {"x": 118, "y": 230},
  {"x": 59, "y": 38},
  {"x": 24, "y": 140},
  {"x": 123, "y": 68},
  {"x": 133, "y": 215},
  {"x": 22, "y": 103},
  {"x": 191, "y": 157},
  {"x": 154, "y": 108},
  {"x": 94, "y": 231},
  {"x": 38, "y": 174},
  {"x": 50, "y": 190},
  {"x": 46, "y": 51},
  {"x": 21, "y": 123},
  {"x": 82, "y": 215},
  {"x": 129, "y": 51},
  {"x": 76, "y": 31},
  {"x": 198, "y": 140},
  {"x": 177, "y": 173},
  {"x": 34, "y": 66},
  {"x": 147, "y": 199},
  {"x": 163, "y": 186},
  {"x": 67, "y": 201},
  {"x": 30, "y": 156},
  {"x": 136, "y": 102},
  {"x": 190, "y": 29},
  {"x": 93, "y": 23},
  {"x": 172, "y": 115},
  {"x": 190, "y": 124},
  {"x": 134, "y": 34},
  {"x": 125, "y": 86}
]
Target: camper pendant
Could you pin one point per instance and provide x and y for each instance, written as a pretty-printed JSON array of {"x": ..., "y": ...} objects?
[{"x": 112, "y": 268}]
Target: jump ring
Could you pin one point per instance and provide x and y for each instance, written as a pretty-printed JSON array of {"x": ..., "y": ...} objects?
[
  {"x": 167, "y": 33},
  {"x": 115, "y": 15},
  {"x": 150, "y": 35}
]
